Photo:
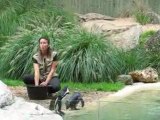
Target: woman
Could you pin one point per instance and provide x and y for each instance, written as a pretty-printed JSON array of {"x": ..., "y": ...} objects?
[{"x": 44, "y": 62}]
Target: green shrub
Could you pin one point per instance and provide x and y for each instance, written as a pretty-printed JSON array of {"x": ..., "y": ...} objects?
[
  {"x": 139, "y": 10},
  {"x": 145, "y": 36},
  {"x": 142, "y": 18},
  {"x": 86, "y": 57},
  {"x": 152, "y": 48},
  {"x": 133, "y": 59},
  {"x": 16, "y": 54},
  {"x": 15, "y": 14}
]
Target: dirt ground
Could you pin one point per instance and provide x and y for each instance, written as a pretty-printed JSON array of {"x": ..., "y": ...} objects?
[{"x": 89, "y": 97}]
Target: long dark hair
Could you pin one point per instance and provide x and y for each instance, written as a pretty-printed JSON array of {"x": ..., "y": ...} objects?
[{"x": 48, "y": 50}]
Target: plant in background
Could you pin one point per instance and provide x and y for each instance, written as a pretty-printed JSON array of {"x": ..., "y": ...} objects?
[
  {"x": 133, "y": 59},
  {"x": 16, "y": 54},
  {"x": 28, "y": 14},
  {"x": 139, "y": 10},
  {"x": 142, "y": 18},
  {"x": 154, "y": 60},
  {"x": 3, "y": 39},
  {"x": 86, "y": 57},
  {"x": 152, "y": 47},
  {"x": 145, "y": 36}
]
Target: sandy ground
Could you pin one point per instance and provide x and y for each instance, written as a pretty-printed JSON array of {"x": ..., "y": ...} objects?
[{"x": 89, "y": 97}]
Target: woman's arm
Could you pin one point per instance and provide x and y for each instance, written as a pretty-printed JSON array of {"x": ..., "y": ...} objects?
[
  {"x": 50, "y": 75},
  {"x": 36, "y": 74}
]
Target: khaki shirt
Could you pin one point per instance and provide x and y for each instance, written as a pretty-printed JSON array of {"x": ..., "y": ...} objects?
[{"x": 45, "y": 64}]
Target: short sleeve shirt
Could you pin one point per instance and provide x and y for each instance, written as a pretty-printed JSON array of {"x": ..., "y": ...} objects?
[{"x": 45, "y": 63}]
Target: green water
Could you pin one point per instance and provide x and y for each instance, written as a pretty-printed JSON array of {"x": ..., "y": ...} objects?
[
  {"x": 144, "y": 105},
  {"x": 106, "y": 7}
]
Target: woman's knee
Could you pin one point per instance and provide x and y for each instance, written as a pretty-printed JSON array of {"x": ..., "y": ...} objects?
[
  {"x": 28, "y": 79},
  {"x": 53, "y": 89},
  {"x": 56, "y": 88}
]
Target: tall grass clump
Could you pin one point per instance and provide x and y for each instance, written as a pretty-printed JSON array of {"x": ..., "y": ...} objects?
[
  {"x": 144, "y": 55},
  {"x": 133, "y": 59},
  {"x": 23, "y": 13},
  {"x": 86, "y": 57},
  {"x": 142, "y": 17},
  {"x": 141, "y": 56},
  {"x": 145, "y": 36},
  {"x": 16, "y": 54},
  {"x": 152, "y": 47},
  {"x": 139, "y": 10}
]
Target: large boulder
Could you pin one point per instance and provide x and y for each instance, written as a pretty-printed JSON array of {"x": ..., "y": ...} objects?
[
  {"x": 15, "y": 108},
  {"x": 123, "y": 33},
  {"x": 6, "y": 96},
  {"x": 148, "y": 75},
  {"x": 127, "y": 38},
  {"x": 22, "y": 110}
]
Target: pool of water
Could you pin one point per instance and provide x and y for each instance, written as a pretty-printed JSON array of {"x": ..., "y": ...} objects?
[{"x": 142, "y": 105}]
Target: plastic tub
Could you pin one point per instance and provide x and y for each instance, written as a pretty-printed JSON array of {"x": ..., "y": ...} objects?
[{"x": 37, "y": 92}]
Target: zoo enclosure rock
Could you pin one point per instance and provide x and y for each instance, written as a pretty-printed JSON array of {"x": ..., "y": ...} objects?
[
  {"x": 16, "y": 108},
  {"x": 148, "y": 75},
  {"x": 122, "y": 32}
]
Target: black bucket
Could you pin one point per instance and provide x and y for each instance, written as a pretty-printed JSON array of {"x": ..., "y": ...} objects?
[{"x": 37, "y": 92}]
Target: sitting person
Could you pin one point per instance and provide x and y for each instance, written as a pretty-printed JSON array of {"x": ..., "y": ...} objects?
[{"x": 44, "y": 62}]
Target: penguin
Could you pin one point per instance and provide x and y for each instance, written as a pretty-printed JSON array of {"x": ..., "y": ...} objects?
[
  {"x": 56, "y": 103},
  {"x": 73, "y": 101}
]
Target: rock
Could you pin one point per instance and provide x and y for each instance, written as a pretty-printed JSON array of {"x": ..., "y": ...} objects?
[
  {"x": 93, "y": 16},
  {"x": 122, "y": 34},
  {"x": 22, "y": 110},
  {"x": 148, "y": 75},
  {"x": 128, "y": 38},
  {"x": 126, "y": 79},
  {"x": 15, "y": 108},
  {"x": 6, "y": 97}
]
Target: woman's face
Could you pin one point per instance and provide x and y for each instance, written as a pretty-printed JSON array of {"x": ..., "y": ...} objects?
[{"x": 43, "y": 44}]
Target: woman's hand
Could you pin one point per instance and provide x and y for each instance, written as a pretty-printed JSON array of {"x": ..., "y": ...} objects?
[{"x": 44, "y": 83}]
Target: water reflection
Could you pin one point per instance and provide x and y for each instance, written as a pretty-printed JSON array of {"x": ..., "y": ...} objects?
[
  {"x": 82, "y": 115},
  {"x": 144, "y": 105}
]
